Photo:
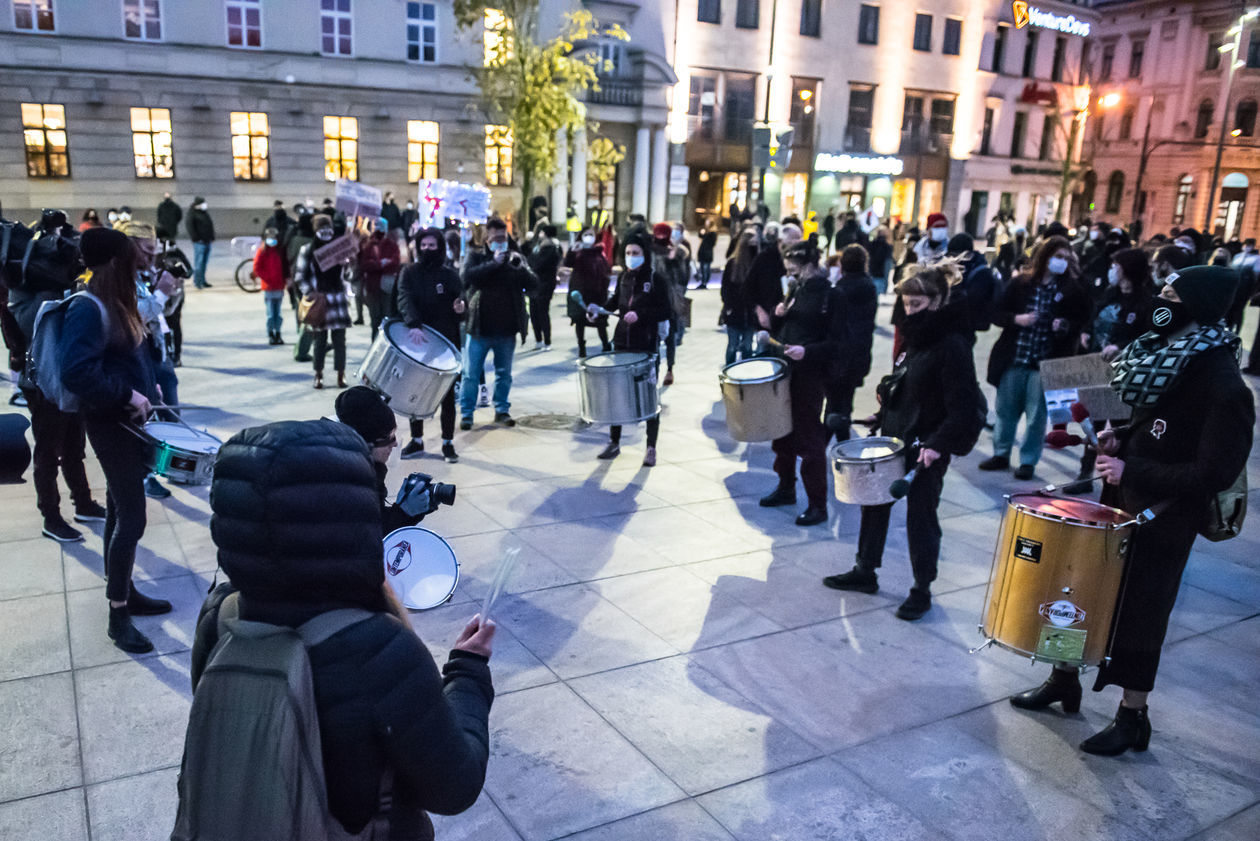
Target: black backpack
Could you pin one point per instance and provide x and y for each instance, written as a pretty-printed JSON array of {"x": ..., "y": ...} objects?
[
  {"x": 983, "y": 289},
  {"x": 35, "y": 261}
]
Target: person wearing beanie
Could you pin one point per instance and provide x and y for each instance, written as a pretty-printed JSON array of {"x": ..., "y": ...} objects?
[
  {"x": 671, "y": 263},
  {"x": 429, "y": 293},
  {"x": 324, "y": 282},
  {"x": 366, "y": 412},
  {"x": 201, "y": 231},
  {"x": 382, "y": 706},
  {"x": 588, "y": 283},
  {"x": 979, "y": 288},
  {"x": 111, "y": 365},
  {"x": 1189, "y": 439},
  {"x": 931, "y": 246},
  {"x": 379, "y": 256}
]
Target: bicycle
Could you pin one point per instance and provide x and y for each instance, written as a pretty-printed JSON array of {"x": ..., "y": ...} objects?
[{"x": 246, "y": 247}]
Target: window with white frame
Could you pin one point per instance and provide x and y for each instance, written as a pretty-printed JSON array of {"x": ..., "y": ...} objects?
[
  {"x": 498, "y": 156},
  {"x": 34, "y": 15},
  {"x": 151, "y": 142},
  {"x": 336, "y": 27},
  {"x": 142, "y": 20},
  {"x": 341, "y": 148},
  {"x": 244, "y": 23},
  {"x": 422, "y": 150},
  {"x": 251, "y": 146},
  {"x": 422, "y": 32}
]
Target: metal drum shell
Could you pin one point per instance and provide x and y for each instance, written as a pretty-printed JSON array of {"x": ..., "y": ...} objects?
[
  {"x": 760, "y": 409},
  {"x": 866, "y": 481},
  {"x": 1078, "y": 561},
  {"x": 182, "y": 465},
  {"x": 623, "y": 392},
  {"x": 411, "y": 388}
]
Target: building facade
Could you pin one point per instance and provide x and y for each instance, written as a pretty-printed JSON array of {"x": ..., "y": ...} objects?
[{"x": 244, "y": 102}]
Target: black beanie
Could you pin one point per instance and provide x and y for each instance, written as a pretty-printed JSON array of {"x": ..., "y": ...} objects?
[
  {"x": 365, "y": 411},
  {"x": 1207, "y": 291},
  {"x": 960, "y": 244},
  {"x": 100, "y": 245}
]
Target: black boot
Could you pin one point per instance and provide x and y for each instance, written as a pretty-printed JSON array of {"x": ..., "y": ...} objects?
[
  {"x": 138, "y": 604},
  {"x": 1061, "y": 686},
  {"x": 124, "y": 634},
  {"x": 1129, "y": 729},
  {"x": 916, "y": 604},
  {"x": 858, "y": 579},
  {"x": 782, "y": 495}
]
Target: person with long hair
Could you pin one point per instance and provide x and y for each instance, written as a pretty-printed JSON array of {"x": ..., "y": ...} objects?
[
  {"x": 737, "y": 300},
  {"x": 110, "y": 365},
  {"x": 590, "y": 280}
]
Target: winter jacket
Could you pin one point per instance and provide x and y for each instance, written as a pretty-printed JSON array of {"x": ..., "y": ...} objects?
[
  {"x": 391, "y": 214},
  {"x": 200, "y": 226},
  {"x": 813, "y": 319},
  {"x": 427, "y": 295},
  {"x": 169, "y": 215},
  {"x": 854, "y": 298},
  {"x": 544, "y": 259},
  {"x": 708, "y": 240},
  {"x": 103, "y": 367},
  {"x": 983, "y": 289},
  {"x": 849, "y": 234},
  {"x": 590, "y": 279},
  {"x": 378, "y": 256},
  {"x": 765, "y": 279},
  {"x": 737, "y": 306},
  {"x": 297, "y": 522},
  {"x": 496, "y": 294},
  {"x": 1071, "y": 302},
  {"x": 639, "y": 291},
  {"x": 269, "y": 268},
  {"x": 309, "y": 278},
  {"x": 879, "y": 256}
]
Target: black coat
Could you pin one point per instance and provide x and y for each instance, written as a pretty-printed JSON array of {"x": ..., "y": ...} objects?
[
  {"x": 854, "y": 298},
  {"x": 644, "y": 293},
  {"x": 427, "y": 295},
  {"x": 589, "y": 279},
  {"x": 544, "y": 259},
  {"x": 765, "y": 279},
  {"x": 707, "y": 240},
  {"x": 200, "y": 226},
  {"x": 498, "y": 288},
  {"x": 879, "y": 255},
  {"x": 814, "y": 320},
  {"x": 169, "y": 215},
  {"x": 737, "y": 305},
  {"x": 1072, "y": 303}
]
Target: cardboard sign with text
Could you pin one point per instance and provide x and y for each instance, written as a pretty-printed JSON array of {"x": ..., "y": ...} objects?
[
  {"x": 1081, "y": 378},
  {"x": 355, "y": 199},
  {"x": 341, "y": 250}
]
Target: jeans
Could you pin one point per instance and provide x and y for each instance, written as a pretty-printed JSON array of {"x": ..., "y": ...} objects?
[
  {"x": 704, "y": 271},
  {"x": 122, "y": 456},
  {"x": 476, "y": 349},
  {"x": 923, "y": 530},
  {"x": 738, "y": 340},
  {"x": 273, "y": 300},
  {"x": 168, "y": 381},
  {"x": 201, "y": 256},
  {"x": 1019, "y": 393},
  {"x": 60, "y": 441},
  {"x": 339, "y": 349}
]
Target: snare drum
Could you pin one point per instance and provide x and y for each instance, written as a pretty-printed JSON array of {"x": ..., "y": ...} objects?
[
  {"x": 1057, "y": 571},
  {"x": 421, "y": 567},
  {"x": 182, "y": 454},
  {"x": 757, "y": 399},
  {"x": 865, "y": 469},
  {"x": 413, "y": 377},
  {"x": 618, "y": 387}
]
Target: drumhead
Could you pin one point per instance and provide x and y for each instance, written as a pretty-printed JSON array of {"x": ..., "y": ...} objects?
[
  {"x": 867, "y": 449},
  {"x": 420, "y": 566},
  {"x": 614, "y": 359},
  {"x": 761, "y": 370},
  {"x": 178, "y": 435},
  {"x": 1071, "y": 508},
  {"x": 437, "y": 352}
]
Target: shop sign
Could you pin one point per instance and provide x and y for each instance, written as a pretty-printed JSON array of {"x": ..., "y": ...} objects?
[
  {"x": 1035, "y": 94},
  {"x": 679, "y": 179},
  {"x": 1021, "y": 169},
  {"x": 860, "y": 164},
  {"x": 1026, "y": 15}
]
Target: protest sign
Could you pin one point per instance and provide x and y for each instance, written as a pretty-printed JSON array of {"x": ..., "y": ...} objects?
[
  {"x": 341, "y": 250},
  {"x": 1086, "y": 379},
  {"x": 438, "y": 199},
  {"x": 355, "y": 199}
]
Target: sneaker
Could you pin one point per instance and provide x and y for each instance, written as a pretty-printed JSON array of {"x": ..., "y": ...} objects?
[
  {"x": 465, "y": 423},
  {"x": 649, "y": 457},
  {"x": 504, "y": 418},
  {"x": 90, "y": 512},
  {"x": 812, "y": 516},
  {"x": 916, "y": 604},
  {"x": 154, "y": 489},
  {"x": 611, "y": 451},
  {"x": 448, "y": 453},
  {"x": 61, "y": 531},
  {"x": 414, "y": 449},
  {"x": 18, "y": 399},
  {"x": 995, "y": 463},
  {"x": 1024, "y": 472},
  {"x": 546, "y": 348},
  {"x": 538, "y": 346},
  {"x": 857, "y": 579},
  {"x": 483, "y": 398}
]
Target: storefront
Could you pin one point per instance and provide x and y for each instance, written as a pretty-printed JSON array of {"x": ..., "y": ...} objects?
[
  {"x": 713, "y": 193},
  {"x": 876, "y": 182}
]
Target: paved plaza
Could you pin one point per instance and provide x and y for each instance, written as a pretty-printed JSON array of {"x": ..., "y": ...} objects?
[{"x": 668, "y": 664}]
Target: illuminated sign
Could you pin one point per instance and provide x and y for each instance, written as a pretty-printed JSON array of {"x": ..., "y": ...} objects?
[
  {"x": 1026, "y": 15},
  {"x": 861, "y": 164}
]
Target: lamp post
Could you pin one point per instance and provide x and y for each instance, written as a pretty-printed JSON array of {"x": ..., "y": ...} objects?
[
  {"x": 1106, "y": 102},
  {"x": 1139, "y": 206},
  {"x": 1235, "y": 62}
]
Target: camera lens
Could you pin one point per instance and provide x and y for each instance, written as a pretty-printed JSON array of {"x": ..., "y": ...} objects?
[{"x": 444, "y": 493}]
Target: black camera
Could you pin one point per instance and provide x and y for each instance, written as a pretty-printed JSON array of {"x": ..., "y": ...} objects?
[
  {"x": 420, "y": 495},
  {"x": 175, "y": 262}
]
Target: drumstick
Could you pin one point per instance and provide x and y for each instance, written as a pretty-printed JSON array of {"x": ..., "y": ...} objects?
[
  {"x": 765, "y": 340},
  {"x": 901, "y": 487},
  {"x": 501, "y": 576},
  {"x": 1081, "y": 415},
  {"x": 577, "y": 297}
]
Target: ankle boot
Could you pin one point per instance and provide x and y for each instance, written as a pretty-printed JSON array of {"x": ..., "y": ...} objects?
[
  {"x": 124, "y": 634},
  {"x": 782, "y": 495},
  {"x": 1129, "y": 729},
  {"x": 138, "y": 604},
  {"x": 1063, "y": 686},
  {"x": 341, "y": 379},
  {"x": 319, "y": 379}
]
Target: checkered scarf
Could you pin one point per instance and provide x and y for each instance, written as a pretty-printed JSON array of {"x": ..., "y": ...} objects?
[
  {"x": 1147, "y": 368},
  {"x": 1033, "y": 343}
]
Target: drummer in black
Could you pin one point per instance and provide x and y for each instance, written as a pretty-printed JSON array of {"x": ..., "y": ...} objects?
[
  {"x": 430, "y": 293},
  {"x": 642, "y": 301},
  {"x": 1188, "y": 440},
  {"x": 932, "y": 402},
  {"x": 808, "y": 328}
]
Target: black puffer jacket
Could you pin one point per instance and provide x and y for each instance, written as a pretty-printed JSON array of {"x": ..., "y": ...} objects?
[{"x": 297, "y": 520}]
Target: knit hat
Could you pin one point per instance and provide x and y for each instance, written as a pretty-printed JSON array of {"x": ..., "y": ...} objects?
[
  {"x": 936, "y": 220},
  {"x": 364, "y": 411},
  {"x": 100, "y": 245},
  {"x": 1055, "y": 229},
  {"x": 321, "y": 220},
  {"x": 802, "y": 252},
  {"x": 661, "y": 231},
  {"x": 1207, "y": 291},
  {"x": 960, "y": 243},
  {"x": 640, "y": 239}
]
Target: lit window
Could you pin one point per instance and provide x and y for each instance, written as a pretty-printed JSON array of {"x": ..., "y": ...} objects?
[
  {"x": 251, "y": 146},
  {"x": 244, "y": 23},
  {"x": 496, "y": 40},
  {"x": 34, "y": 15},
  {"x": 151, "y": 142},
  {"x": 336, "y": 27},
  {"x": 422, "y": 150},
  {"x": 47, "y": 147},
  {"x": 142, "y": 20},
  {"x": 498, "y": 156},
  {"x": 341, "y": 148},
  {"x": 422, "y": 32}
]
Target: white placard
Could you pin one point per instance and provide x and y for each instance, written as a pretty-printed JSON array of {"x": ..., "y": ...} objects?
[
  {"x": 438, "y": 199},
  {"x": 355, "y": 199},
  {"x": 679, "y": 179}
]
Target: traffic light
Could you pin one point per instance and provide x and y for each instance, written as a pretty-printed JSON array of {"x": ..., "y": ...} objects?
[{"x": 772, "y": 147}]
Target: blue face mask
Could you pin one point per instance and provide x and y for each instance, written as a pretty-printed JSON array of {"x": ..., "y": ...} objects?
[
  {"x": 633, "y": 262},
  {"x": 498, "y": 247},
  {"x": 272, "y": 243}
]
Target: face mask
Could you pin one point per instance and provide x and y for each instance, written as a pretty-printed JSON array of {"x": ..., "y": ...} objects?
[
  {"x": 1057, "y": 265},
  {"x": 938, "y": 234},
  {"x": 1185, "y": 245},
  {"x": 1093, "y": 234},
  {"x": 410, "y": 206},
  {"x": 498, "y": 247},
  {"x": 324, "y": 234},
  {"x": 676, "y": 236},
  {"x": 272, "y": 242},
  {"x": 634, "y": 261},
  {"x": 430, "y": 256},
  {"x": 588, "y": 240},
  {"x": 1169, "y": 317},
  {"x": 202, "y": 206},
  {"x": 1113, "y": 275},
  {"x": 113, "y": 217},
  {"x": 833, "y": 274}
]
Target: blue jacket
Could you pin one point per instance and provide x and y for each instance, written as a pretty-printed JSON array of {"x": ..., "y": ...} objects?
[{"x": 103, "y": 369}]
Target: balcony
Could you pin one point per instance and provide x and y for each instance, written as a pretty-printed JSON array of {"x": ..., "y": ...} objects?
[
  {"x": 857, "y": 139},
  {"x": 616, "y": 92},
  {"x": 925, "y": 143}
]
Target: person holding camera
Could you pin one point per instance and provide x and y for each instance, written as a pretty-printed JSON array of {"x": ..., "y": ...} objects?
[{"x": 497, "y": 280}]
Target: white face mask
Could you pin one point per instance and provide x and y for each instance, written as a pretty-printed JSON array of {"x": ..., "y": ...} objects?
[
  {"x": 1184, "y": 245},
  {"x": 633, "y": 261},
  {"x": 410, "y": 206},
  {"x": 833, "y": 274},
  {"x": 1114, "y": 275},
  {"x": 202, "y": 206},
  {"x": 938, "y": 234},
  {"x": 1093, "y": 234},
  {"x": 676, "y": 236},
  {"x": 588, "y": 240},
  {"x": 324, "y": 234},
  {"x": 1057, "y": 265}
]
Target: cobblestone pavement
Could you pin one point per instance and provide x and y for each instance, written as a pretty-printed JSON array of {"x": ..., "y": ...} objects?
[{"x": 668, "y": 664}]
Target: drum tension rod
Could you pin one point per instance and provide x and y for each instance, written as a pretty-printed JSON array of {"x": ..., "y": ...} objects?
[{"x": 988, "y": 642}]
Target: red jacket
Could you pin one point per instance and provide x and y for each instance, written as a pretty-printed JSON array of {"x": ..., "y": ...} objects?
[
  {"x": 269, "y": 268},
  {"x": 377, "y": 256}
]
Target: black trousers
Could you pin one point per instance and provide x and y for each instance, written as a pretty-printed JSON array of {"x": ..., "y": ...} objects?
[
  {"x": 540, "y": 318},
  {"x": 123, "y": 457},
  {"x": 653, "y": 430},
  {"x": 176, "y": 323},
  {"x": 1253, "y": 360},
  {"x": 840, "y": 403},
  {"x": 60, "y": 442},
  {"x": 321, "y": 349},
  {"x": 807, "y": 440},
  {"x": 601, "y": 327},
  {"x": 923, "y": 529},
  {"x": 446, "y": 416}
]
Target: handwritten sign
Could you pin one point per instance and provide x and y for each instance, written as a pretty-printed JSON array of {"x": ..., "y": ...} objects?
[
  {"x": 1086, "y": 379},
  {"x": 341, "y": 250},
  {"x": 355, "y": 199},
  {"x": 439, "y": 199}
]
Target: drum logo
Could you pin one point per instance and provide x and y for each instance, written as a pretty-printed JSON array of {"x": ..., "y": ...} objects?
[
  {"x": 1028, "y": 550},
  {"x": 1061, "y": 614},
  {"x": 401, "y": 559},
  {"x": 1158, "y": 428}
]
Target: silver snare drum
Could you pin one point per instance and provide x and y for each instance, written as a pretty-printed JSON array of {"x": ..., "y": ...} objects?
[
  {"x": 758, "y": 403},
  {"x": 617, "y": 387},
  {"x": 182, "y": 454},
  {"x": 413, "y": 377},
  {"x": 865, "y": 468}
]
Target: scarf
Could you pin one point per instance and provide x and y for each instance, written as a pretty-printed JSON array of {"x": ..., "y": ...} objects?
[{"x": 1148, "y": 368}]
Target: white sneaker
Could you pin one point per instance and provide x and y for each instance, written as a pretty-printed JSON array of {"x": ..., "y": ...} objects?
[
  {"x": 483, "y": 399},
  {"x": 546, "y": 347},
  {"x": 538, "y": 346}
]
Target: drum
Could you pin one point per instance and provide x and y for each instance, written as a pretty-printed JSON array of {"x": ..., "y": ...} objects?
[
  {"x": 1056, "y": 576},
  {"x": 413, "y": 377},
  {"x": 421, "y": 567},
  {"x": 617, "y": 387},
  {"x": 758, "y": 403},
  {"x": 182, "y": 454},
  {"x": 865, "y": 469}
]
